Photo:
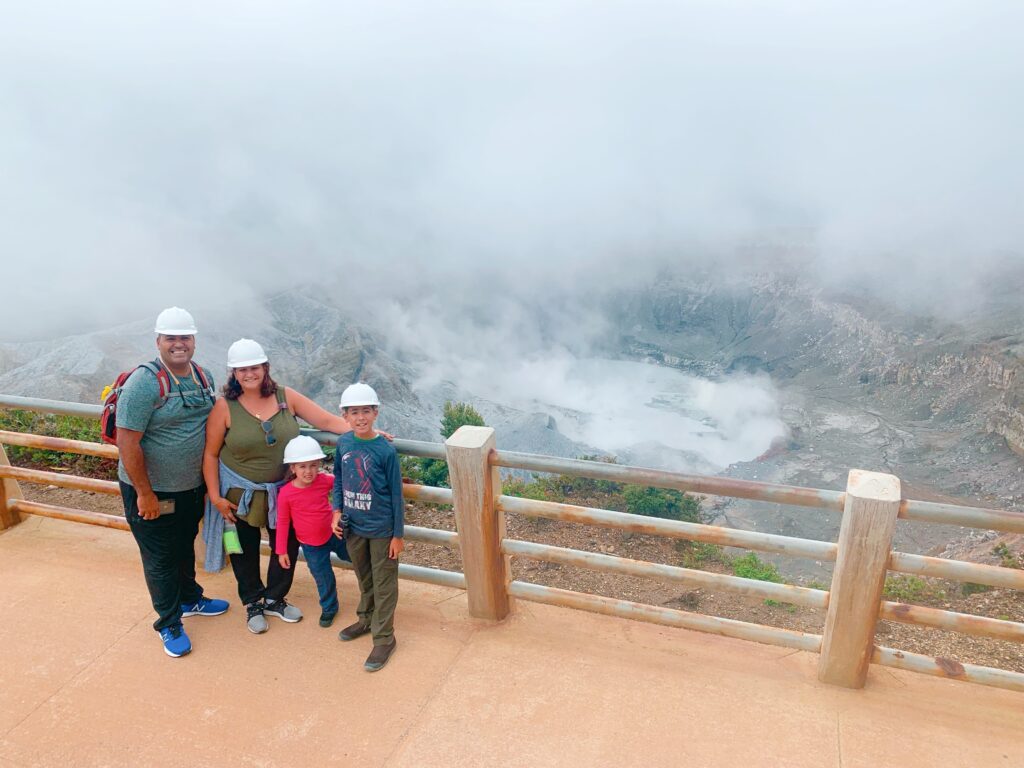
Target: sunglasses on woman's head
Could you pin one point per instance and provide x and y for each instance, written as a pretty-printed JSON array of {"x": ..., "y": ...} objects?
[{"x": 268, "y": 430}]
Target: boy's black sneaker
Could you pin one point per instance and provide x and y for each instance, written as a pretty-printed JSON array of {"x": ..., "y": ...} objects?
[
  {"x": 326, "y": 619},
  {"x": 379, "y": 656},
  {"x": 352, "y": 632}
]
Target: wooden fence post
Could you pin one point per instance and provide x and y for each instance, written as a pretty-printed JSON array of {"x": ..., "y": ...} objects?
[
  {"x": 865, "y": 541},
  {"x": 9, "y": 489},
  {"x": 475, "y": 488}
]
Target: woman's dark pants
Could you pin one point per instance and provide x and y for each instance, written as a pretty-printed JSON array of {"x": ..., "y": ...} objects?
[{"x": 247, "y": 566}]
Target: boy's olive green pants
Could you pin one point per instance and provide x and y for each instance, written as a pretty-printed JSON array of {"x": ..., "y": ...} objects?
[{"x": 378, "y": 585}]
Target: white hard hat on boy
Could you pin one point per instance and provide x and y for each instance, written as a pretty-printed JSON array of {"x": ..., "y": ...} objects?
[
  {"x": 358, "y": 394},
  {"x": 302, "y": 448},
  {"x": 175, "y": 321},
  {"x": 245, "y": 352}
]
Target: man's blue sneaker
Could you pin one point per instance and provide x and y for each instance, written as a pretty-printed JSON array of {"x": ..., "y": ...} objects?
[
  {"x": 176, "y": 642},
  {"x": 205, "y": 606}
]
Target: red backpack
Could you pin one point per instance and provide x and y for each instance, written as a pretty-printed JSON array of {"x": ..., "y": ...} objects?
[{"x": 108, "y": 417}]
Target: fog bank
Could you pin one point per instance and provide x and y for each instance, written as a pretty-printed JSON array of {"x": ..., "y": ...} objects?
[{"x": 196, "y": 154}]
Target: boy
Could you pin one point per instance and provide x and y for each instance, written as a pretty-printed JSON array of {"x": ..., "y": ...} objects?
[{"x": 369, "y": 514}]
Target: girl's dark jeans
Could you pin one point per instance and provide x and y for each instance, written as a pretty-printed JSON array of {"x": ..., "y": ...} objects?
[{"x": 318, "y": 558}]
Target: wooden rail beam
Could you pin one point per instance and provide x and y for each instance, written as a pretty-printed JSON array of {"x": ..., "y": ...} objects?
[
  {"x": 76, "y": 482},
  {"x": 58, "y": 444},
  {"x": 71, "y": 515},
  {"x": 865, "y": 541},
  {"x": 476, "y": 485}
]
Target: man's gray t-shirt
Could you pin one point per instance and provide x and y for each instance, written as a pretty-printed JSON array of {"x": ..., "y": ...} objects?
[{"x": 174, "y": 434}]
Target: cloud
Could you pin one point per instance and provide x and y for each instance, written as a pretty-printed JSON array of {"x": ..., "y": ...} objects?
[{"x": 194, "y": 153}]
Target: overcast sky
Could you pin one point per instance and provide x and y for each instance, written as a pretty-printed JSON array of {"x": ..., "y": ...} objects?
[{"x": 192, "y": 153}]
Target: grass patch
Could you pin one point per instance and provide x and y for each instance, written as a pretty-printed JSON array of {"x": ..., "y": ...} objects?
[
  {"x": 1007, "y": 557},
  {"x": 700, "y": 554},
  {"x": 750, "y": 566},
  {"x": 969, "y": 588},
  {"x": 911, "y": 589}
]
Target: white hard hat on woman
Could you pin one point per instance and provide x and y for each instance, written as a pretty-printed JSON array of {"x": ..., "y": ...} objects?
[{"x": 245, "y": 352}]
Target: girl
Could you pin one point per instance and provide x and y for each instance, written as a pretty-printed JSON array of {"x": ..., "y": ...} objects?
[{"x": 303, "y": 502}]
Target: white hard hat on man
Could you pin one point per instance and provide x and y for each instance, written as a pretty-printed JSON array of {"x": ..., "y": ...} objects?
[{"x": 175, "y": 321}]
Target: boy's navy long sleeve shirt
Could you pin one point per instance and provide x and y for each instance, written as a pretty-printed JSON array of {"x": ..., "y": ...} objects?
[{"x": 368, "y": 487}]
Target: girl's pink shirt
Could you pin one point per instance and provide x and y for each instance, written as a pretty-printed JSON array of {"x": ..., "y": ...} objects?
[{"x": 307, "y": 509}]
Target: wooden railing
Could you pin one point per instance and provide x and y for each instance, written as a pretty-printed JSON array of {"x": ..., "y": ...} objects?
[{"x": 863, "y": 554}]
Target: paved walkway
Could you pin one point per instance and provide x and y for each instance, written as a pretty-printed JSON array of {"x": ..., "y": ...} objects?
[{"x": 83, "y": 682}]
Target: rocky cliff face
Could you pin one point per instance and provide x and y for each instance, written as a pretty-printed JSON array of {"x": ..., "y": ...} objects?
[{"x": 940, "y": 403}]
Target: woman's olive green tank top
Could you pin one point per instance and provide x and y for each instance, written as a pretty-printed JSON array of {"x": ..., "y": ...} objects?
[{"x": 246, "y": 451}]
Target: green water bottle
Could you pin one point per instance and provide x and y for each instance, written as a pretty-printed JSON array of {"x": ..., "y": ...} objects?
[{"x": 231, "y": 543}]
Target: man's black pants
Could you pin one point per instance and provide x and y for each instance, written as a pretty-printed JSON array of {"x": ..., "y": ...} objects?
[{"x": 167, "y": 546}]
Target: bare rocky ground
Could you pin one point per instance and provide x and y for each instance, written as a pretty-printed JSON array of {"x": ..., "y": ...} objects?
[{"x": 1002, "y": 604}]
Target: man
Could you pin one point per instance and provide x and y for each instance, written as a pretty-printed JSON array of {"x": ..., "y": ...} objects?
[{"x": 161, "y": 432}]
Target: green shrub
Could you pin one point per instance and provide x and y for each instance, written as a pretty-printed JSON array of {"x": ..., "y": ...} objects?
[
  {"x": 1007, "y": 558},
  {"x": 661, "y": 502},
  {"x": 515, "y": 486},
  {"x": 457, "y": 415},
  {"x": 750, "y": 566},
  {"x": 435, "y": 471},
  {"x": 411, "y": 469}
]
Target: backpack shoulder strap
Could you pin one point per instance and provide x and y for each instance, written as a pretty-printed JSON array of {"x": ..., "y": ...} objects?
[
  {"x": 163, "y": 378},
  {"x": 204, "y": 377}
]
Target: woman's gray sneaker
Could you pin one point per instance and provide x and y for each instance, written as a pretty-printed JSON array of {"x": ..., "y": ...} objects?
[
  {"x": 283, "y": 610},
  {"x": 257, "y": 623}
]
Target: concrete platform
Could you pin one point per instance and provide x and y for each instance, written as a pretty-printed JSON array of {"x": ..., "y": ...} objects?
[{"x": 85, "y": 683}]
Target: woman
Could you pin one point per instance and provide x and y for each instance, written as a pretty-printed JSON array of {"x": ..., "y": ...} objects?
[{"x": 243, "y": 465}]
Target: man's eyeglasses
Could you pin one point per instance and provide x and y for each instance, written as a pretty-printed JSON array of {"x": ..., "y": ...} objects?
[{"x": 268, "y": 431}]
